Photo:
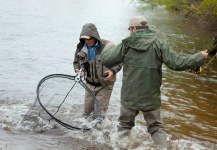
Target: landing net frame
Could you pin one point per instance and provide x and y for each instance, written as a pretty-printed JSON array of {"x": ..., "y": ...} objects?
[{"x": 97, "y": 117}]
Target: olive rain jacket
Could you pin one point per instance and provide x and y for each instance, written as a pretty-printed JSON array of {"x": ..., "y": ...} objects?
[
  {"x": 143, "y": 54},
  {"x": 94, "y": 69}
]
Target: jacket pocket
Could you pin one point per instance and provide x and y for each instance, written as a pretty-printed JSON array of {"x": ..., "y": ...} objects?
[{"x": 82, "y": 57}]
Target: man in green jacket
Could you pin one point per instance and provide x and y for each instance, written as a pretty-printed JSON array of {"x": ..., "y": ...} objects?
[
  {"x": 142, "y": 55},
  {"x": 99, "y": 78}
]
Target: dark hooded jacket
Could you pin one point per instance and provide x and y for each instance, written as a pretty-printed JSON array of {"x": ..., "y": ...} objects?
[
  {"x": 94, "y": 69},
  {"x": 142, "y": 55}
]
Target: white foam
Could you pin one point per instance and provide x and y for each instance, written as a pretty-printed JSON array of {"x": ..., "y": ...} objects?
[{"x": 137, "y": 139}]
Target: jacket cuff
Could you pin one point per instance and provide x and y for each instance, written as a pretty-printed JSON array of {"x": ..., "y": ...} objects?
[{"x": 113, "y": 71}]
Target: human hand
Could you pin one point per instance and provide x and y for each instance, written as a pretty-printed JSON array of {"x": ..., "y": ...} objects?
[
  {"x": 82, "y": 72},
  {"x": 108, "y": 75},
  {"x": 205, "y": 54},
  {"x": 197, "y": 70}
]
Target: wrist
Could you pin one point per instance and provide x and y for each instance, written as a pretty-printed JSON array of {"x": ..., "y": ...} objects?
[{"x": 113, "y": 71}]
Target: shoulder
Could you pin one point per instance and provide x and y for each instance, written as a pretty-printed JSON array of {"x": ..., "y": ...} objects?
[
  {"x": 103, "y": 41},
  {"x": 80, "y": 45}
]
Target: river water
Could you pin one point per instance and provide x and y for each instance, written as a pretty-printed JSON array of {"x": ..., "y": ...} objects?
[{"x": 39, "y": 37}]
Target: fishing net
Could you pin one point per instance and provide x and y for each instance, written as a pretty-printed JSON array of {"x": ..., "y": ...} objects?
[{"x": 62, "y": 96}]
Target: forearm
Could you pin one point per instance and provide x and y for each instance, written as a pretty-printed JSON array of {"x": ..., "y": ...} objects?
[
  {"x": 111, "y": 57},
  {"x": 116, "y": 68},
  {"x": 76, "y": 63}
]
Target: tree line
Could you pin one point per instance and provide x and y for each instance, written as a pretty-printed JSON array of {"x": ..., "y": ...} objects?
[{"x": 204, "y": 12}]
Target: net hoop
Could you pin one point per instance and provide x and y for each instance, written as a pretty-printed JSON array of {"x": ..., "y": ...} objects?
[{"x": 98, "y": 112}]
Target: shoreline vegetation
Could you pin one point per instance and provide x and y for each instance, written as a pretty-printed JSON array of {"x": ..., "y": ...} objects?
[{"x": 202, "y": 13}]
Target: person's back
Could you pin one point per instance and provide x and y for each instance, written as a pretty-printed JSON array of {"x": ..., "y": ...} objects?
[{"x": 142, "y": 70}]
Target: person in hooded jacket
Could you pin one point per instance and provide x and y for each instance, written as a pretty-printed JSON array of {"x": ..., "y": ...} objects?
[
  {"x": 142, "y": 55},
  {"x": 99, "y": 79}
]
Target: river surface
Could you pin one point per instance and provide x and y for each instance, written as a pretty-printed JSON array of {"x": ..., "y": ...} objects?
[{"x": 39, "y": 37}]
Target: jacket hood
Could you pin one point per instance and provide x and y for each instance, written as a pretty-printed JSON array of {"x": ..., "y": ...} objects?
[
  {"x": 140, "y": 40},
  {"x": 90, "y": 30}
]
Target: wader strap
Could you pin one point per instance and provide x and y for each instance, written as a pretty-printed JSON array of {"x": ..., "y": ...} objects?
[{"x": 92, "y": 83}]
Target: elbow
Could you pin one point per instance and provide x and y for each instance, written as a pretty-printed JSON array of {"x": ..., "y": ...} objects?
[{"x": 107, "y": 64}]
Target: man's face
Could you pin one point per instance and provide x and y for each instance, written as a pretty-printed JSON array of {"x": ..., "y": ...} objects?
[
  {"x": 90, "y": 42},
  {"x": 132, "y": 29}
]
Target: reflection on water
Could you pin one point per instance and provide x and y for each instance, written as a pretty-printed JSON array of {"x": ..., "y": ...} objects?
[{"x": 192, "y": 101}]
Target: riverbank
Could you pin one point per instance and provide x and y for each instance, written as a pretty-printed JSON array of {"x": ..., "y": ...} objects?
[
  {"x": 203, "y": 21},
  {"x": 201, "y": 13}
]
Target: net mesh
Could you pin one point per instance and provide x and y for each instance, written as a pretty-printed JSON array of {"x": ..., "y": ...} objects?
[{"x": 61, "y": 97}]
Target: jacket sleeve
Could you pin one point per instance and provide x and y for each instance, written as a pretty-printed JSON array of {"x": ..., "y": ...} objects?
[
  {"x": 116, "y": 68},
  {"x": 111, "y": 57},
  {"x": 180, "y": 63},
  {"x": 76, "y": 63}
]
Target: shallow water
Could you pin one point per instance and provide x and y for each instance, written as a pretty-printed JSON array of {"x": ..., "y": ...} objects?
[{"x": 39, "y": 38}]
